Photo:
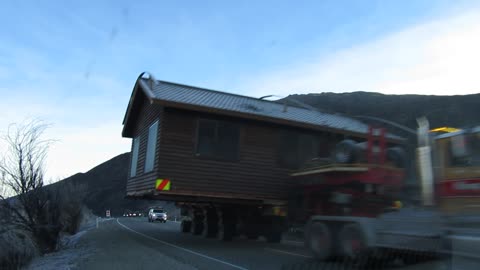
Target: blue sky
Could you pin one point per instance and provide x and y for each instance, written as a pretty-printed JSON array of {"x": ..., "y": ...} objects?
[{"x": 74, "y": 64}]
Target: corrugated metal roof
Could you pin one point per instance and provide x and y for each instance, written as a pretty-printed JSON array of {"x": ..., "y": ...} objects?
[{"x": 178, "y": 93}]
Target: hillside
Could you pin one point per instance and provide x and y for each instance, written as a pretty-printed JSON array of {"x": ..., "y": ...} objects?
[
  {"x": 105, "y": 188},
  {"x": 455, "y": 111}
]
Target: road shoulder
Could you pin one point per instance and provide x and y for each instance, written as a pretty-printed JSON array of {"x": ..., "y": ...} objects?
[{"x": 117, "y": 248}]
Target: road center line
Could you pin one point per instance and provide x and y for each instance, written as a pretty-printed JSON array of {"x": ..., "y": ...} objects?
[
  {"x": 289, "y": 253},
  {"x": 181, "y": 248}
]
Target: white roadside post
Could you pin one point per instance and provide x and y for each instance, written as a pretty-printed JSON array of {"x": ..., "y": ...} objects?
[{"x": 424, "y": 161}]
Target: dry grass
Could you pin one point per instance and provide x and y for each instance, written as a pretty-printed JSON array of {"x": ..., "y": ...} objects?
[{"x": 17, "y": 249}]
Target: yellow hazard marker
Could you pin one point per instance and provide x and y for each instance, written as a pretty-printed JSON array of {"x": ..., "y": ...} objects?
[
  {"x": 397, "y": 204},
  {"x": 162, "y": 184},
  {"x": 445, "y": 129},
  {"x": 279, "y": 211}
]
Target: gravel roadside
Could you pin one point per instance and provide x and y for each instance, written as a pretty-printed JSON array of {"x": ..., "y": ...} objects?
[{"x": 112, "y": 250}]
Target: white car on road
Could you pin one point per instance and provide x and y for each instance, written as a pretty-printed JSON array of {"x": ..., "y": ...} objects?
[{"x": 157, "y": 214}]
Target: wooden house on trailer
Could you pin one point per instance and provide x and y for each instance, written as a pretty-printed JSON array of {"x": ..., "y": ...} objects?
[{"x": 193, "y": 145}]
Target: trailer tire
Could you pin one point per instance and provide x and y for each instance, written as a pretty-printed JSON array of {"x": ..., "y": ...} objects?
[
  {"x": 346, "y": 151},
  {"x": 185, "y": 226},
  {"x": 252, "y": 235},
  {"x": 319, "y": 240},
  {"x": 225, "y": 228},
  {"x": 274, "y": 236},
  {"x": 353, "y": 241},
  {"x": 224, "y": 233},
  {"x": 210, "y": 224},
  {"x": 197, "y": 226},
  {"x": 252, "y": 231}
]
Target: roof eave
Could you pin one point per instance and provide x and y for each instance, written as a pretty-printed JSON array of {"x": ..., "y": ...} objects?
[{"x": 139, "y": 83}]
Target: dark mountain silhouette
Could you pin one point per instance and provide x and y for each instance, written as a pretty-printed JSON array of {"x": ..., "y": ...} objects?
[
  {"x": 455, "y": 111},
  {"x": 105, "y": 188}
]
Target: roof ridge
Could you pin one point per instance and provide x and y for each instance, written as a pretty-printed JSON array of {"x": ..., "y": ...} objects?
[{"x": 218, "y": 91}]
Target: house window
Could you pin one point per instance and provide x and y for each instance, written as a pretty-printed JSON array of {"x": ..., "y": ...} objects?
[
  {"x": 133, "y": 166},
  {"x": 288, "y": 149},
  {"x": 217, "y": 139},
  {"x": 296, "y": 148},
  {"x": 151, "y": 147}
]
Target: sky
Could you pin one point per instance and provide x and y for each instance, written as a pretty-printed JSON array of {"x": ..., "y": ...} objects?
[{"x": 73, "y": 64}]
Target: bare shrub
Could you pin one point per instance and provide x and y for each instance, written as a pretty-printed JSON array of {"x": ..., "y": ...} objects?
[
  {"x": 22, "y": 175},
  {"x": 17, "y": 249},
  {"x": 32, "y": 215},
  {"x": 69, "y": 201}
]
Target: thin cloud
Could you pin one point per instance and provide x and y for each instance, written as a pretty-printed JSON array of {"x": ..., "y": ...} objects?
[{"x": 439, "y": 57}]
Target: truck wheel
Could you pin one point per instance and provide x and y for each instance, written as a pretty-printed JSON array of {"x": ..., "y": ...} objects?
[
  {"x": 319, "y": 240},
  {"x": 210, "y": 223},
  {"x": 346, "y": 151},
  {"x": 185, "y": 226},
  {"x": 353, "y": 242}
]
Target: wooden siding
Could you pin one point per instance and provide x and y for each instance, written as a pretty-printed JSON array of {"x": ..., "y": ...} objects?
[
  {"x": 256, "y": 174},
  {"x": 147, "y": 115}
]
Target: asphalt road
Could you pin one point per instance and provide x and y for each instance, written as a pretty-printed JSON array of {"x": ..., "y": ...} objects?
[
  {"x": 205, "y": 253},
  {"x": 134, "y": 243}
]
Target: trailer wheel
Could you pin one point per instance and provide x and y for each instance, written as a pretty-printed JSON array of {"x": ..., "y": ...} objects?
[
  {"x": 252, "y": 231},
  {"x": 274, "y": 236},
  {"x": 225, "y": 233},
  {"x": 185, "y": 226},
  {"x": 353, "y": 242},
  {"x": 319, "y": 240},
  {"x": 226, "y": 226},
  {"x": 346, "y": 151},
  {"x": 210, "y": 223},
  {"x": 197, "y": 226}
]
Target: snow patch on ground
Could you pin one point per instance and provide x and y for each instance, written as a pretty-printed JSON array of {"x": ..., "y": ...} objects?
[{"x": 69, "y": 252}]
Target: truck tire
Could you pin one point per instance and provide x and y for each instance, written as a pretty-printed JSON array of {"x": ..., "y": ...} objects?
[
  {"x": 319, "y": 240},
  {"x": 397, "y": 156},
  {"x": 353, "y": 241},
  {"x": 210, "y": 223},
  {"x": 345, "y": 152},
  {"x": 185, "y": 226}
]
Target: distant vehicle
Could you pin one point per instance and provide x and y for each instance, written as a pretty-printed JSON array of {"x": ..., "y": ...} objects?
[{"x": 157, "y": 214}]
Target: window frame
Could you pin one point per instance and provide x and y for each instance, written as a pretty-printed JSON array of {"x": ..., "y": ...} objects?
[
  {"x": 214, "y": 156},
  {"x": 134, "y": 156},
  {"x": 154, "y": 150}
]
